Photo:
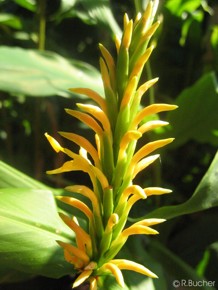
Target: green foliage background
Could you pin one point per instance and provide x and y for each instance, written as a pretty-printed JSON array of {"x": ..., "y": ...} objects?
[{"x": 48, "y": 46}]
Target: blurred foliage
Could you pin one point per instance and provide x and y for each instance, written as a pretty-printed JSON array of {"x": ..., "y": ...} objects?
[{"x": 48, "y": 46}]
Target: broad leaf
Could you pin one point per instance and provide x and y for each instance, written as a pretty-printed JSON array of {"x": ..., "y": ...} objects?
[
  {"x": 178, "y": 271},
  {"x": 93, "y": 12},
  {"x": 29, "y": 228},
  {"x": 196, "y": 117},
  {"x": 10, "y": 20},
  {"x": 204, "y": 197},
  {"x": 28, "y": 4},
  {"x": 100, "y": 11},
  {"x": 11, "y": 177},
  {"x": 41, "y": 74}
]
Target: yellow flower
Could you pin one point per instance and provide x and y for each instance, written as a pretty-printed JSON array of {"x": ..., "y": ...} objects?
[{"x": 113, "y": 161}]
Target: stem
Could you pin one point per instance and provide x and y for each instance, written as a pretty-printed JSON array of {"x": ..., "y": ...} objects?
[
  {"x": 151, "y": 89},
  {"x": 138, "y": 7},
  {"x": 42, "y": 24}
]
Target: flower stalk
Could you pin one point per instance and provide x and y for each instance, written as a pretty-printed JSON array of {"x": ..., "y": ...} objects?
[{"x": 113, "y": 162}]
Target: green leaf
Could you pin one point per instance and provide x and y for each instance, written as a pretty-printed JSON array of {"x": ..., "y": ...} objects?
[
  {"x": 178, "y": 7},
  {"x": 11, "y": 177},
  {"x": 178, "y": 271},
  {"x": 204, "y": 197},
  {"x": 196, "y": 117},
  {"x": 41, "y": 74},
  {"x": 100, "y": 11},
  {"x": 10, "y": 20},
  {"x": 28, "y": 4},
  {"x": 96, "y": 12},
  {"x": 29, "y": 228}
]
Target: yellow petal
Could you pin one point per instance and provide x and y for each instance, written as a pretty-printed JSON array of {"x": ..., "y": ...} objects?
[
  {"x": 54, "y": 143},
  {"x": 151, "y": 125},
  {"x": 66, "y": 167},
  {"x": 137, "y": 18},
  {"x": 141, "y": 62},
  {"x": 146, "y": 17},
  {"x": 77, "y": 204},
  {"x": 86, "y": 119},
  {"x": 82, "y": 238},
  {"x": 83, "y": 142},
  {"x": 114, "y": 269},
  {"x": 98, "y": 114},
  {"x": 138, "y": 229},
  {"x": 127, "y": 35},
  {"x": 82, "y": 277},
  {"x": 125, "y": 20},
  {"x": 156, "y": 191},
  {"x": 92, "y": 95},
  {"x": 75, "y": 251},
  {"x": 129, "y": 92},
  {"x": 151, "y": 110},
  {"x": 148, "y": 148},
  {"x": 104, "y": 73},
  {"x": 93, "y": 283},
  {"x": 143, "y": 88},
  {"x": 117, "y": 43},
  {"x": 143, "y": 163},
  {"x": 124, "y": 264},
  {"x": 132, "y": 189},
  {"x": 87, "y": 192},
  {"x": 150, "y": 222},
  {"x": 111, "y": 66}
]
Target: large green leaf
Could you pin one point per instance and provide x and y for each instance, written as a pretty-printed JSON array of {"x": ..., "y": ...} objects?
[
  {"x": 28, "y": 4},
  {"x": 29, "y": 228},
  {"x": 99, "y": 11},
  {"x": 34, "y": 73},
  {"x": 178, "y": 272},
  {"x": 95, "y": 12},
  {"x": 11, "y": 177},
  {"x": 196, "y": 117},
  {"x": 204, "y": 197},
  {"x": 10, "y": 20}
]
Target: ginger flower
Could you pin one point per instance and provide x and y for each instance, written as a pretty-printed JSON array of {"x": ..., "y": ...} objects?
[{"x": 113, "y": 162}]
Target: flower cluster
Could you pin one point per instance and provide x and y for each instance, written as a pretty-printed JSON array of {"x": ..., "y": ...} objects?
[{"x": 112, "y": 164}]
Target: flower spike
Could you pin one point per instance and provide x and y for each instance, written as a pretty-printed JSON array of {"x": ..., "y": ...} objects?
[{"x": 118, "y": 121}]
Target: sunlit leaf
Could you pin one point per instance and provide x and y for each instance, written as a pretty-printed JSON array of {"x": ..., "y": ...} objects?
[
  {"x": 10, "y": 20},
  {"x": 29, "y": 228},
  {"x": 177, "y": 7},
  {"x": 95, "y": 12},
  {"x": 11, "y": 177},
  {"x": 28, "y": 4},
  {"x": 35, "y": 73},
  {"x": 196, "y": 117},
  {"x": 204, "y": 197}
]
